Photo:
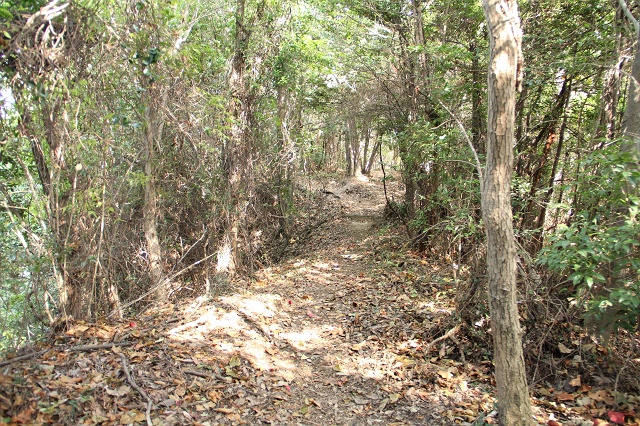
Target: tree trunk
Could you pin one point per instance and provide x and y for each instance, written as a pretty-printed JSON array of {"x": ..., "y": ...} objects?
[
  {"x": 72, "y": 297},
  {"x": 236, "y": 151},
  {"x": 505, "y": 68},
  {"x": 418, "y": 39},
  {"x": 151, "y": 136},
  {"x": 549, "y": 134},
  {"x": 348, "y": 154},
  {"x": 631, "y": 120},
  {"x": 369, "y": 165},
  {"x": 366, "y": 134},
  {"x": 409, "y": 196},
  {"x": 611, "y": 93},
  {"x": 538, "y": 236},
  {"x": 354, "y": 141}
]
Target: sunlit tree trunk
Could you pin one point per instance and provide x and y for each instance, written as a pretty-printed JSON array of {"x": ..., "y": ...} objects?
[
  {"x": 505, "y": 68},
  {"x": 60, "y": 204},
  {"x": 235, "y": 152},
  {"x": 418, "y": 39},
  {"x": 59, "y": 185},
  {"x": 152, "y": 137},
  {"x": 611, "y": 93},
  {"x": 631, "y": 118},
  {"x": 374, "y": 153}
]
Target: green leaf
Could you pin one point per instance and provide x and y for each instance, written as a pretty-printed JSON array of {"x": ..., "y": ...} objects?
[
  {"x": 6, "y": 15},
  {"x": 589, "y": 281}
]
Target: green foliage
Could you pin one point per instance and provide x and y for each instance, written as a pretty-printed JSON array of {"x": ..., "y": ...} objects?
[
  {"x": 599, "y": 250},
  {"x": 447, "y": 189},
  {"x": 10, "y": 8},
  {"x": 22, "y": 268}
]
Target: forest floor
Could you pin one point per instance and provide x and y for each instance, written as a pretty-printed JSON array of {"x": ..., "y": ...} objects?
[{"x": 332, "y": 336}]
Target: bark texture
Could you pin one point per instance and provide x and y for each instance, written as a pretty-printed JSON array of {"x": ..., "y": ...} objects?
[
  {"x": 152, "y": 136},
  {"x": 631, "y": 120},
  {"x": 237, "y": 151},
  {"x": 504, "y": 78}
]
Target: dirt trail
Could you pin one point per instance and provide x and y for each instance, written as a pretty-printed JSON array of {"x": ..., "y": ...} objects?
[
  {"x": 309, "y": 328},
  {"x": 331, "y": 337}
]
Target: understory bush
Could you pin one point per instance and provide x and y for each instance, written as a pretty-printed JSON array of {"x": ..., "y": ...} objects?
[{"x": 598, "y": 250}]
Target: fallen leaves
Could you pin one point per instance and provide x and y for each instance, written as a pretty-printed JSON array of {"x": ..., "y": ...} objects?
[
  {"x": 563, "y": 349},
  {"x": 361, "y": 332},
  {"x": 564, "y": 396},
  {"x": 616, "y": 417}
]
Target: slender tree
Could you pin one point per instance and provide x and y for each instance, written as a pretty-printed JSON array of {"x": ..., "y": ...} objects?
[
  {"x": 631, "y": 119},
  {"x": 235, "y": 153},
  {"x": 504, "y": 78}
]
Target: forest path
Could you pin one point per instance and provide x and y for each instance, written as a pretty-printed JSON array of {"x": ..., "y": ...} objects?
[{"x": 333, "y": 336}]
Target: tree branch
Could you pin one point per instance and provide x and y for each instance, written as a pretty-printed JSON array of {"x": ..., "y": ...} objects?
[
  {"x": 630, "y": 17},
  {"x": 134, "y": 385},
  {"x": 23, "y": 357},
  {"x": 88, "y": 348},
  {"x": 469, "y": 142}
]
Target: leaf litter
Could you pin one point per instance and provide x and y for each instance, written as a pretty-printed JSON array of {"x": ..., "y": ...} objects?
[{"x": 355, "y": 330}]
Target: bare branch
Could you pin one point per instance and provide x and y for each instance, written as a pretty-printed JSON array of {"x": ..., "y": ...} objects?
[
  {"x": 134, "y": 385},
  {"x": 630, "y": 17},
  {"x": 469, "y": 142},
  {"x": 88, "y": 348}
]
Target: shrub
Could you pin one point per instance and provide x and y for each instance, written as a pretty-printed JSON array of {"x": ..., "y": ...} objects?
[{"x": 598, "y": 250}]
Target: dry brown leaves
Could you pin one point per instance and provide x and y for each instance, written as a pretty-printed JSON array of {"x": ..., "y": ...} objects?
[{"x": 356, "y": 330}]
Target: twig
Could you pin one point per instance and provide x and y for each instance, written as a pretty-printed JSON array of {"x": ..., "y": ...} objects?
[
  {"x": 630, "y": 17},
  {"x": 626, "y": 362},
  {"x": 469, "y": 142},
  {"x": 196, "y": 373},
  {"x": 449, "y": 333},
  {"x": 161, "y": 282},
  {"x": 212, "y": 375},
  {"x": 455, "y": 340},
  {"x": 386, "y": 196},
  {"x": 189, "y": 250},
  {"x": 134, "y": 385},
  {"x": 544, "y": 338},
  {"x": 87, "y": 348},
  {"x": 23, "y": 357},
  {"x": 615, "y": 386}
]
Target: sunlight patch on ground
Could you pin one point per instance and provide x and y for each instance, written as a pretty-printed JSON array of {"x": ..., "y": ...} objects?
[
  {"x": 370, "y": 368},
  {"x": 315, "y": 274},
  {"x": 206, "y": 324},
  {"x": 260, "y": 305},
  {"x": 229, "y": 333},
  {"x": 305, "y": 340},
  {"x": 321, "y": 272},
  {"x": 325, "y": 266},
  {"x": 319, "y": 277},
  {"x": 352, "y": 256},
  {"x": 360, "y": 365},
  {"x": 264, "y": 357}
]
